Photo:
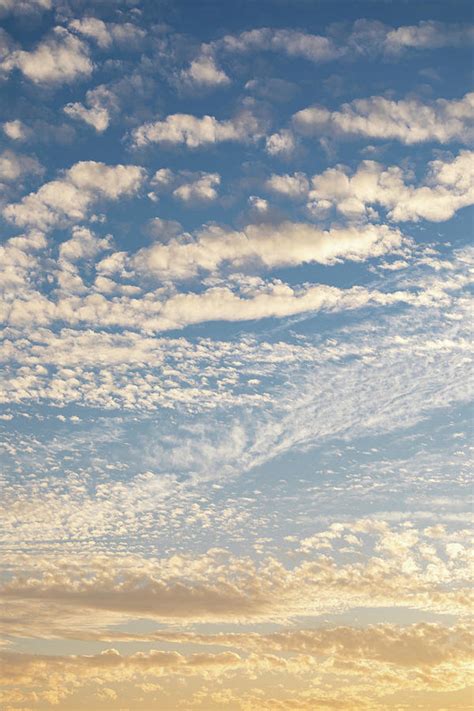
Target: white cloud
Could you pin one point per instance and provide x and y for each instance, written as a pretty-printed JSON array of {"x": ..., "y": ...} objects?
[
  {"x": 282, "y": 143},
  {"x": 19, "y": 260},
  {"x": 163, "y": 178},
  {"x": 315, "y": 48},
  {"x": 293, "y": 186},
  {"x": 100, "y": 102},
  {"x": 428, "y": 34},
  {"x": 260, "y": 205},
  {"x": 366, "y": 37},
  {"x": 94, "y": 28},
  {"x": 186, "y": 186},
  {"x": 15, "y": 130},
  {"x": 77, "y": 252},
  {"x": 164, "y": 230},
  {"x": 201, "y": 189},
  {"x": 408, "y": 120},
  {"x": 371, "y": 37},
  {"x": 13, "y": 166},
  {"x": 194, "y": 132},
  {"x": 275, "y": 300},
  {"x": 203, "y": 71},
  {"x": 82, "y": 245},
  {"x": 448, "y": 186},
  {"x": 239, "y": 300},
  {"x": 270, "y": 246},
  {"x": 69, "y": 198},
  {"x": 106, "y": 33},
  {"x": 61, "y": 58}
]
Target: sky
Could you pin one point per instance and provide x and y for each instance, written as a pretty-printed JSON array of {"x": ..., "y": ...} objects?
[{"x": 236, "y": 430}]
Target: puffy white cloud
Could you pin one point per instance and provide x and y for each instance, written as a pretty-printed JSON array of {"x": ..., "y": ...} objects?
[
  {"x": 448, "y": 186},
  {"x": 74, "y": 253},
  {"x": 293, "y": 186},
  {"x": 282, "y": 143},
  {"x": 366, "y": 37},
  {"x": 13, "y": 166},
  {"x": 94, "y": 28},
  {"x": 287, "y": 244},
  {"x": 101, "y": 102},
  {"x": 275, "y": 300},
  {"x": 201, "y": 189},
  {"x": 408, "y": 120},
  {"x": 316, "y": 48},
  {"x": 18, "y": 261},
  {"x": 186, "y": 186},
  {"x": 106, "y": 33},
  {"x": 163, "y": 178},
  {"x": 165, "y": 309},
  {"x": 164, "y": 230},
  {"x": 203, "y": 72},
  {"x": 194, "y": 132},
  {"x": 258, "y": 204},
  {"x": 15, "y": 130},
  {"x": 428, "y": 34},
  {"x": 152, "y": 314},
  {"x": 82, "y": 245},
  {"x": 60, "y": 58},
  {"x": 372, "y": 37},
  {"x": 69, "y": 198}
]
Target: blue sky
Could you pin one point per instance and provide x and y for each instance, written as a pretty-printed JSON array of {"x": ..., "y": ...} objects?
[{"x": 236, "y": 322}]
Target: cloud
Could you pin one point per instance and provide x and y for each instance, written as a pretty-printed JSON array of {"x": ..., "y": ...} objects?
[
  {"x": 52, "y": 679},
  {"x": 234, "y": 458},
  {"x": 82, "y": 245},
  {"x": 315, "y": 48},
  {"x": 408, "y": 120},
  {"x": 194, "y": 132},
  {"x": 258, "y": 205},
  {"x": 221, "y": 586},
  {"x": 14, "y": 166},
  {"x": 274, "y": 299},
  {"x": 367, "y": 37},
  {"x": 429, "y": 34},
  {"x": 422, "y": 645},
  {"x": 203, "y": 72},
  {"x": 107, "y": 33},
  {"x": 448, "y": 187},
  {"x": 131, "y": 370},
  {"x": 271, "y": 246},
  {"x": 235, "y": 299},
  {"x": 61, "y": 58},
  {"x": 70, "y": 198},
  {"x": 261, "y": 676},
  {"x": 15, "y": 130},
  {"x": 164, "y": 230},
  {"x": 101, "y": 103},
  {"x": 20, "y": 7},
  {"x": 282, "y": 143},
  {"x": 201, "y": 189},
  {"x": 186, "y": 186},
  {"x": 374, "y": 38},
  {"x": 293, "y": 186},
  {"x": 19, "y": 261}
]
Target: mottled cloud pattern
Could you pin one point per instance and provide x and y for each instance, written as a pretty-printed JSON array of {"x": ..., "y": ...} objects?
[{"x": 236, "y": 335}]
